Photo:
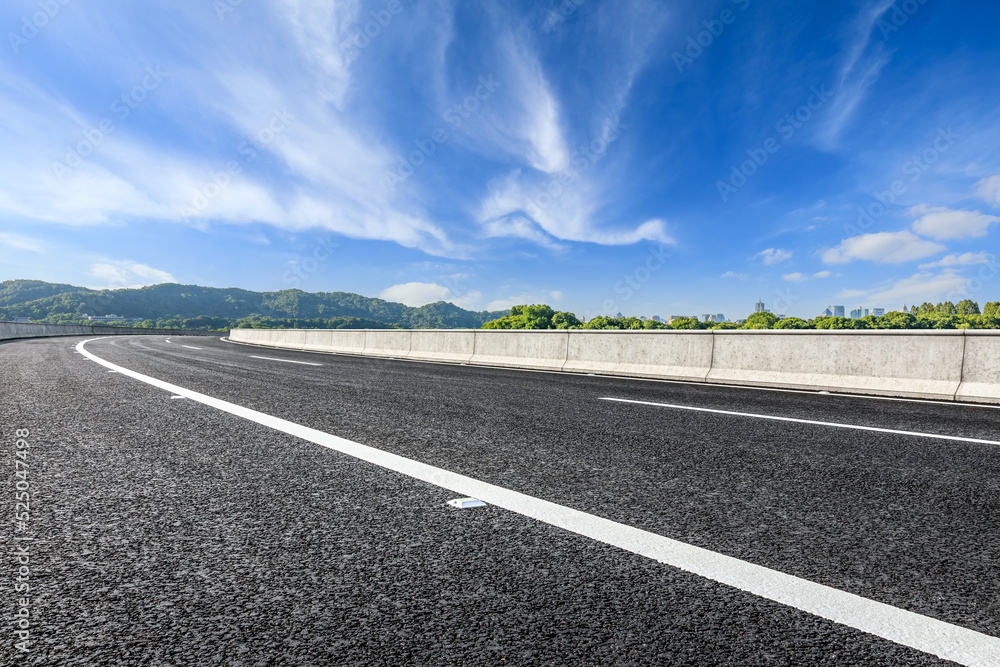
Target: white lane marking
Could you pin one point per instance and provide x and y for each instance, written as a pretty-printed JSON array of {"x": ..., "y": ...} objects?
[
  {"x": 916, "y": 434},
  {"x": 287, "y": 361},
  {"x": 945, "y": 640},
  {"x": 172, "y": 397},
  {"x": 168, "y": 340},
  {"x": 191, "y": 347},
  {"x": 697, "y": 383}
]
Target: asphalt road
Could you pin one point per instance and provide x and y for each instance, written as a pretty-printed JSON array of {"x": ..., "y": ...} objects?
[{"x": 167, "y": 532}]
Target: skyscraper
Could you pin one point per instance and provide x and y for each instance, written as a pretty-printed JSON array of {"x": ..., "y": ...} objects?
[{"x": 759, "y": 307}]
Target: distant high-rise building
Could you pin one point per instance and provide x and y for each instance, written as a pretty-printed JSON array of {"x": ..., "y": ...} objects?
[
  {"x": 759, "y": 307},
  {"x": 878, "y": 312},
  {"x": 838, "y": 311},
  {"x": 713, "y": 317},
  {"x": 656, "y": 318},
  {"x": 856, "y": 314},
  {"x": 827, "y": 312}
]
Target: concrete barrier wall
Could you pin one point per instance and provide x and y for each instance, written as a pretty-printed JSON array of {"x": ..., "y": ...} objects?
[
  {"x": 981, "y": 369},
  {"x": 925, "y": 364},
  {"x": 672, "y": 355},
  {"x": 16, "y": 330},
  {"x": 540, "y": 350},
  {"x": 948, "y": 365},
  {"x": 449, "y": 346},
  {"x": 387, "y": 343}
]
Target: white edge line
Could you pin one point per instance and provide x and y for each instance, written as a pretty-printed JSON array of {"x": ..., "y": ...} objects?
[
  {"x": 916, "y": 434},
  {"x": 287, "y": 361},
  {"x": 945, "y": 640},
  {"x": 696, "y": 383}
]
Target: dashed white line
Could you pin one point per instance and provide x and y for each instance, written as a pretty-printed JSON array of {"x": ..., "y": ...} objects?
[
  {"x": 192, "y": 347},
  {"x": 916, "y": 434},
  {"x": 287, "y": 361},
  {"x": 945, "y": 640}
]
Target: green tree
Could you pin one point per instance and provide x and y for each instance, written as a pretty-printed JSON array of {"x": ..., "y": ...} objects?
[
  {"x": 686, "y": 323},
  {"x": 603, "y": 322},
  {"x": 565, "y": 321},
  {"x": 992, "y": 309},
  {"x": 896, "y": 321},
  {"x": 761, "y": 321},
  {"x": 946, "y": 308},
  {"x": 926, "y": 309},
  {"x": 791, "y": 323},
  {"x": 967, "y": 307}
]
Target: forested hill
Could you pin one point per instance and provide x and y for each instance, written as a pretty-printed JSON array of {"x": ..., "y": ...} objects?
[{"x": 209, "y": 307}]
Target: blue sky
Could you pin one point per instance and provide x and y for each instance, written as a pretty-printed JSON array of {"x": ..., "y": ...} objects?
[{"x": 645, "y": 157}]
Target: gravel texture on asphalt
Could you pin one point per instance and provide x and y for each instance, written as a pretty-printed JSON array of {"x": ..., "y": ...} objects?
[{"x": 169, "y": 533}]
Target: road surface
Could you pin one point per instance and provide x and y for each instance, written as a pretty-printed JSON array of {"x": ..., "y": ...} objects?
[{"x": 165, "y": 530}]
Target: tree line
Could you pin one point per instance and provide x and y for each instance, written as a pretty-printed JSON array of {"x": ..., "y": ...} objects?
[{"x": 947, "y": 315}]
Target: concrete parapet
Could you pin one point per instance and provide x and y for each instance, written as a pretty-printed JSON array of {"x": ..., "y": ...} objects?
[
  {"x": 448, "y": 346},
  {"x": 387, "y": 343},
  {"x": 981, "y": 369},
  {"x": 539, "y": 350},
  {"x": 681, "y": 355},
  {"x": 948, "y": 365},
  {"x": 912, "y": 363}
]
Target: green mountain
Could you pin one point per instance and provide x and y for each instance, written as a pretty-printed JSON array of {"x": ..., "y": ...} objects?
[{"x": 214, "y": 308}]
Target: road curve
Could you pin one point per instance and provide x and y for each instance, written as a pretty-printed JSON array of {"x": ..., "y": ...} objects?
[{"x": 167, "y": 531}]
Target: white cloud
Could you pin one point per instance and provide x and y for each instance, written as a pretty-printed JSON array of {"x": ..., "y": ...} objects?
[
  {"x": 119, "y": 274},
  {"x": 733, "y": 274},
  {"x": 773, "y": 255},
  {"x": 920, "y": 287},
  {"x": 18, "y": 242},
  {"x": 943, "y": 223},
  {"x": 887, "y": 247},
  {"x": 964, "y": 259},
  {"x": 526, "y": 298},
  {"x": 989, "y": 190},
  {"x": 416, "y": 294},
  {"x": 470, "y": 300},
  {"x": 802, "y": 277},
  {"x": 516, "y": 207}
]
